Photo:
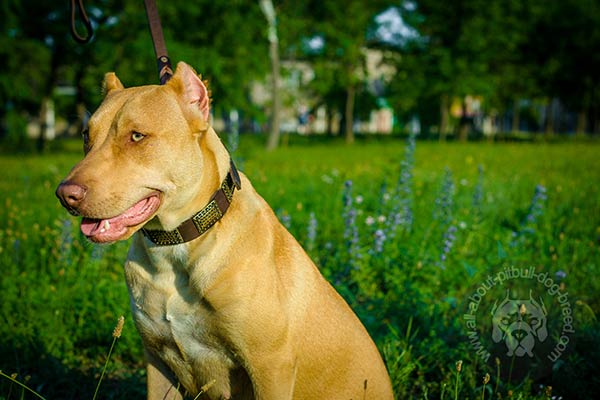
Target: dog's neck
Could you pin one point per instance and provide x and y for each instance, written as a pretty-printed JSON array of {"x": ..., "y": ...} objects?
[
  {"x": 218, "y": 180},
  {"x": 215, "y": 167}
]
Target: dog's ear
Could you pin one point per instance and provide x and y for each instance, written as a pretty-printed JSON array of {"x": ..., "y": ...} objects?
[
  {"x": 193, "y": 90},
  {"x": 111, "y": 83}
]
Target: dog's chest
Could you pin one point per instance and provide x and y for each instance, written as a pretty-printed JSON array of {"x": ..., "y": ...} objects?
[{"x": 175, "y": 323}]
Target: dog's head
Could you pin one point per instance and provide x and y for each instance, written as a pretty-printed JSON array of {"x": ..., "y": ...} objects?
[
  {"x": 146, "y": 156},
  {"x": 519, "y": 323}
]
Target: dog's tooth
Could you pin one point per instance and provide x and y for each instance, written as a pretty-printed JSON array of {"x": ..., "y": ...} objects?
[{"x": 106, "y": 225}]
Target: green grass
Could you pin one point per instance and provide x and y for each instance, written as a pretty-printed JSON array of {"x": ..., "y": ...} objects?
[{"x": 61, "y": 296}]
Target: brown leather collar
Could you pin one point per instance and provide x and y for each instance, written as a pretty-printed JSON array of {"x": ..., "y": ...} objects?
[{"x": 204, "y": 219}]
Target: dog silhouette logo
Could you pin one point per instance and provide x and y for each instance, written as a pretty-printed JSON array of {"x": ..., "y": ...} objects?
[{"x": 519, "y": 323}]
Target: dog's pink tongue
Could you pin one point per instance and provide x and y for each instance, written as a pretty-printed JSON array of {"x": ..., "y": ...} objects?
[
  {"x": 90, "y": 226},
  {"x": 112, "y": 229}
]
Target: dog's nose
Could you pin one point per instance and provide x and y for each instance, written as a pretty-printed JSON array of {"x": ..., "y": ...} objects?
[{"x": 71, "y": 195}]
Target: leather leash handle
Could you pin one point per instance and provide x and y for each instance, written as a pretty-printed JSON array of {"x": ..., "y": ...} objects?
[
  {"x": 165, "y": 71},
  {"x": 85, "y": 20}
]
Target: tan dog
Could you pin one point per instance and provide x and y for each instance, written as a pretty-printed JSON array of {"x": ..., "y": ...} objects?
[{"x": 224, "y": 298}]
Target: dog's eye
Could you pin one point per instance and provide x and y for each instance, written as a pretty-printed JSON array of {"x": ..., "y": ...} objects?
[{"x": 137, "y": 136}]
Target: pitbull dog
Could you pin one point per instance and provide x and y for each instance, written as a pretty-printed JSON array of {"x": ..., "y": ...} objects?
[
  {"x": 519, "y": 323},
  {"x": 227, "y": 303}
]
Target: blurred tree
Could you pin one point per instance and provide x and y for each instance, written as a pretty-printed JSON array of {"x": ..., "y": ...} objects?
[
  {"x": 563, "y": 42},
  {"x": 268, "y": 10},
  {"x": 43, "y": 56},
  {"x": 501, "y": 50},
  {"x": 513, "y": 72},
  {"x": 34, "y": 51},
  {"x": 456, "y": 56},
  {"x": 332, "y": 35},
  {"x": 22, "y": 76},
  {"x": 505, "y": 51},
  {"x": 224, "y": 41},
  {"x": 407, "y": 91}
]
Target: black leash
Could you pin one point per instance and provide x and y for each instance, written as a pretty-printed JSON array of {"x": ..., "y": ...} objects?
[{"x": 165, "y": 71}]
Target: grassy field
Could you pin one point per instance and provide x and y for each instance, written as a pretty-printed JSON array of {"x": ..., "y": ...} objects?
[{"x": 408, "y": 235}]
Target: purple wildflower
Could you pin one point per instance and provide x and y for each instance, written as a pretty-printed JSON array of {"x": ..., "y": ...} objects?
[
  {"x": 401, "y": 215},
  {"x": 233, "y": 140},
  {"x": 286, "y": 219},
  {"x": 379, "y": 241},
  {"x": 536, "y": 210},
  {"x": 350, "y": 227},
  {"x": 66, "y": 240},
  {"x": 311, "y": 232},
  {"x": 448, "y": 243},
  {"x": 349, "y": 212},
  {"x": 478, "y": 194},
  {"x": 444, "y": 202}
]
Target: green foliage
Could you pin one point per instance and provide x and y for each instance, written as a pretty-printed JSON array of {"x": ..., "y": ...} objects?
[
  {"x": 61, "y": 295},
  {"x": 225, "y": 42},
  {"x": 413, "y": 307},
  {"x": 500, "y": 51},
  {"x": 566, "y": 66}
]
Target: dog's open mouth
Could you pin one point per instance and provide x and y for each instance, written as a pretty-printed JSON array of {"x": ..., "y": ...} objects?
[{"x": 116, "y": 228}]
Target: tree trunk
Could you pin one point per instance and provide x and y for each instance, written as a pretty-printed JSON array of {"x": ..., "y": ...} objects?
[
  {"x": 349, "y": 113},
  {"x": 444, "y": 117},
  {"x": 549, "y": 129},
  {"x": 329, "y": 114},
  {"x": 47, "y": 114},
  {"x": 40, "y": 143},
  {"x": 273, "y": 140},
  {"x": 464, "y": 126},
  {"x": 516, "y": 117},
  {"x": 268, "y": 10},
  {"x": 581, "y": 122},
  {"x": 47, "y": 125}
]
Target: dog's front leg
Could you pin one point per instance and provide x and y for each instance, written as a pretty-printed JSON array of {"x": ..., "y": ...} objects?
[
  {"x": 275, "y": 381},
  {"x": 161, "y": 383}
]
